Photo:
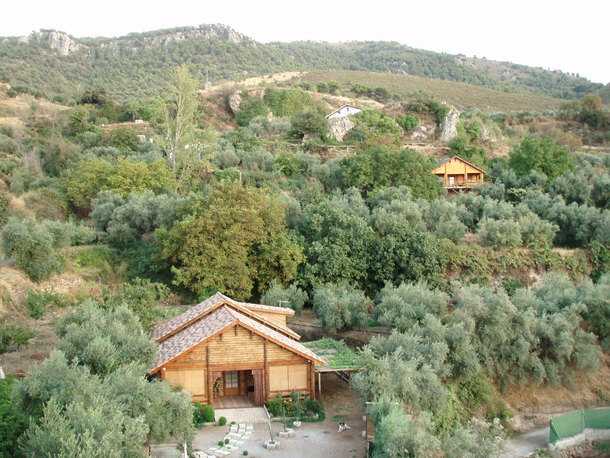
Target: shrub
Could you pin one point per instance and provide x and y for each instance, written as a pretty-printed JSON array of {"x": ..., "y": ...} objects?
[
  {"x": 5, "y": 200},
  {"x": 222, "y": 421},
  {"x": 221, "y": 443},
  {"x": 408, "y": 122},
  {"x": 208, "y": 414},
  {"x": 245, "y": 453},
  {"x": 13, "y": 336},
  {"x": 227, "y": 440},
  {"x": 275, "y": 405},
  {"x": 314, "y": 406}
]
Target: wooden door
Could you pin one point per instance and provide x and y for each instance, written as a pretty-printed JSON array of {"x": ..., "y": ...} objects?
[{"x": 231, "y": 383}]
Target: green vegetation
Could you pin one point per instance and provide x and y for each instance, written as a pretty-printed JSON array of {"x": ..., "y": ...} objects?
[
  {"x": 336, "y": 354},
  {"x": 91, "y": 391},
  {"x": 139, "y": 66},
  {"x": 503, "y": 286}
]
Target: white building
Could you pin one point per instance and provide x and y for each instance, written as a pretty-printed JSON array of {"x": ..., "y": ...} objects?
[{"x": 343, "y": 112}]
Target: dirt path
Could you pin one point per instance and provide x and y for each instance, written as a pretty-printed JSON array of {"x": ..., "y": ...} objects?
[{"x": 524, "y": 444}]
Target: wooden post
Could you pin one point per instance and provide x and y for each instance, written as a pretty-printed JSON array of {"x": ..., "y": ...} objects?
[
  {"x": 209, "y": 372},
  {"x": 266, "y": 373},
  {"x": 320, "y": 383}
]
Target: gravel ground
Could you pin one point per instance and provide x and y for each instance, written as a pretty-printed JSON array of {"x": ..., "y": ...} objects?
[{"x": 311, "y": 439}]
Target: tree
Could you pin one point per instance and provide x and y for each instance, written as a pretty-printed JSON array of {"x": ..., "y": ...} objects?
[
  {"x": 402, "y": 435},
  {"x": 123, "y": 138},
  {"x": 123, "y": 221},
  {"x": 340, "y": 306},
  {"x": 181, "y": 142},
  {"x": 85, "y": 430},
  {"x": 84, "y": 179},
  {"x": 104, "y": 340},
  {"x": 403, "y": 306},
  {"x": 94, "y": 399},
  {"x": 291, "y": 296},
  {"x": 309, "y": 123},
  {"x": 543, "y": 155},
  {"x": 401, "y": 254},
  {"x": 32, "y": 247},
  {"x": 234, "y": 240},
  {"x": 14, "y": 421},
  {"x": 338, "y": 240},
  {"x": 591, "y": 102},
  {"x": 138, "y": 177},
  {"x": 383, "y": 166}
]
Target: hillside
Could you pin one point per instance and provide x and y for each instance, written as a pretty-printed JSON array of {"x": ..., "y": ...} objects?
[
  {"x": 56, "y": 64},
  {"x": 454, "y": 93}
]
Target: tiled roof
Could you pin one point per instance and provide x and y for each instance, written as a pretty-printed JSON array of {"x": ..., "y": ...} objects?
[
  {"x": 215, "y": 322},
  {"x": 267, "y": 308},
  {"x": 192, "y": 335},
  {"x": 194, "y": 313}
]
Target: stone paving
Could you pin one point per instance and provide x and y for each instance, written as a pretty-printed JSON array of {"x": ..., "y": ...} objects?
[
  {"x": 238, "y": 434},
  {"x": 243, "y": 415}
]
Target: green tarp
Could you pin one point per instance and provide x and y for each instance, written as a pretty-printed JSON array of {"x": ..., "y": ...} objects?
[{"x": 575, "y": 423}]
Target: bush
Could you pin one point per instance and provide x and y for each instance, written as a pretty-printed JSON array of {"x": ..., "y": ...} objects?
[
  {"x": 222, "y": 421},
  {"x": 13, "y": 336},
  {"x": 314, "y": 406},
  {"x": 5, "y": 200},
  {"x": 275, "y": 405},
  {"x": 208, "y": 414},
  {"x": 408, "y": 122},
  {"x": 245, "y": 453}
]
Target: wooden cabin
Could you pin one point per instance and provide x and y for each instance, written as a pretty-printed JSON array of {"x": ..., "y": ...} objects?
[
  {"x": 458, "y": 174},
  {"x": 225, "y": 350}
]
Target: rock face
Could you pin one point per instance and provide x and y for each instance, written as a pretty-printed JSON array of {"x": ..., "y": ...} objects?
[
  {"x": 448, "y": 126},
  {"x": 61, "y": 42},
  {"x": 164, "y": 38},
  {"x": 339, "y": 127},
  {"x": 235, "y": 101},
  {"x": 422, "y": 132}
]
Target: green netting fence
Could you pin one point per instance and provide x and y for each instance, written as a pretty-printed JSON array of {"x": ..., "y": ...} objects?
[{"x": 575, "y": 423}]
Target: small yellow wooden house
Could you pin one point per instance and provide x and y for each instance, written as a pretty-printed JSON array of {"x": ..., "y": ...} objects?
[
  {"x": 458, "y": 174},
  {"x": 233, "y": 354}
]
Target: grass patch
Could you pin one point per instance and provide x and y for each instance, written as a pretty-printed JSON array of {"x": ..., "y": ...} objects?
[
  {"x": 335, "y": 353},
  {"x": 458, "y": 94}
]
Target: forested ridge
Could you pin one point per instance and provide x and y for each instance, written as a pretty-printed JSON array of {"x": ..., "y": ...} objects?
[
  {"x": 135, "y": 65},
  {"x": 115, "y": 214}
]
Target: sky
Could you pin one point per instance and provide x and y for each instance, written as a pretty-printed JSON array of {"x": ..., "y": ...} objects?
[{"x": 556, "y": 35}]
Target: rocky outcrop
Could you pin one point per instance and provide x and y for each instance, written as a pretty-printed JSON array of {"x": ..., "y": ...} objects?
[
  {"x": 448, "y": 126},
  {"x": 234, "y": 101},
  {"x": 339, "y": 127},
  {"x": 423, "y": 132},
  {"x": 164, "y": 38},
  {"x": 61, "y": 42}
]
